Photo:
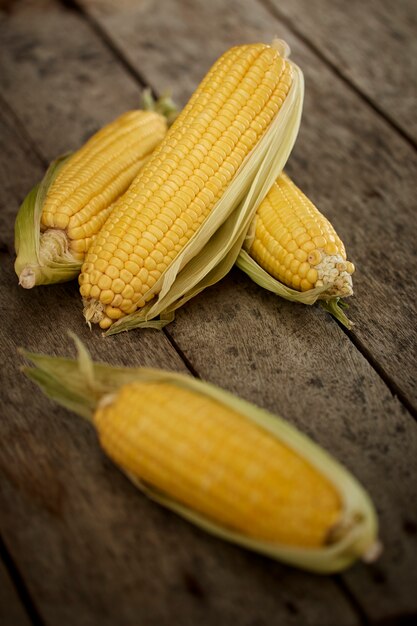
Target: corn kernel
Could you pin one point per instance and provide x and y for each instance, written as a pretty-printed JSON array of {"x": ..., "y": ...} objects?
[
  {"x": 305, "y": 285},
  {"x": 106, "y": 296},
  {"x": 118, "y": 285},
  {"x": 312, "y": 276},
  {"x": 315, "y": 257},
  {"x": 113, "y": 313},
  {"x": 112, "y": 272},
  {"x": 104, "y": 282}
]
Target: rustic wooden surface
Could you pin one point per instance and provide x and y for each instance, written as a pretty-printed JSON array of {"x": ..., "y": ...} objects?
[
  {"x": 80, "y": 544},
  {"x": 374, "y": 48}
]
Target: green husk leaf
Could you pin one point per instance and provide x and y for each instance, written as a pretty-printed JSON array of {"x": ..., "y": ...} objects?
[
  {"x": 335, "y": 307},
  {"x": 64, "y": 380},
  {"x": 212, "y": 250},
  {"x": 164, "y": 105},
  {"x": 28, "y": 233},
  {"x": 54, "y": 390},
  {"x": 262, "y": 278},
  {"x": 31, "y": 268}
]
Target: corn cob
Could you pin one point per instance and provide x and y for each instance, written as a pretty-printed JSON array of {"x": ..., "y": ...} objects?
[
  {"x": 292, "y": 250},
  {"x": 297, "y": 245},
  {"x": 78, "y": 193},
  {"x": 186, "y": 177},
  {"x": 225, "y": 465},
  {"x": 217, "y": 463}
]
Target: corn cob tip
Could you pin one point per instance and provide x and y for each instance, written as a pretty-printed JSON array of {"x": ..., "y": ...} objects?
[
  {"x": 54, "y": 244},
  {"x": 348, "y": 523},
  {"x": 27, "y": 277},
  {"x": 333, "y": 271},
  {"x": 93, "y": 311},
  {"x": 366, "y": 546},
  {"x": 53, "y": 247},
  {"x": 373, "y": 552}
]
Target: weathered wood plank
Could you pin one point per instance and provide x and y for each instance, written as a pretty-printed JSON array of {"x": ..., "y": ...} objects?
[
  {"x": 373, "y": 44},
  {"x": 49, "y": 77},
  {"x": 107, "y": 553},
  {"x": 355, "y": 167},
  {"x": 285, "y": 357},
  {"x": 12, "y": 612}
]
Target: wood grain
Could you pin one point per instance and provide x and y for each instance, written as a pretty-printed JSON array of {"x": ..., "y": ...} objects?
[
  {"x": 106, "y": 552},
  {"x": 49, "y": 66},
  {"x": 373, "y": 44},
  {"x": 12, "y": 612}
]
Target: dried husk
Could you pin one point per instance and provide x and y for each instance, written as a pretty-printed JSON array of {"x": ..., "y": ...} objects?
[
  {"x": 261, "y": 277},
  {"x": 80, "y": 385},
  {"x": 33, "y": 269},
  {"x": 28, "y": 263}
]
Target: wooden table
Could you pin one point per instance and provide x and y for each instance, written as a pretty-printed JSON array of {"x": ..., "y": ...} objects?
[{"x": 79, "y": 545}]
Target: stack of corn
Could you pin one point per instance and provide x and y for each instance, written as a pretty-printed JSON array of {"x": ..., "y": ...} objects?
[
  {"x": 150, "y": 230},
  {"x": 154, "y": 229}
]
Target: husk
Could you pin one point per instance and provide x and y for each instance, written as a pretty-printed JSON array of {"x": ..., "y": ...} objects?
[
  {"x": 262, "y": 278},
  {"x": 164, "y": 105},
  {"x": 28, "y": 220},
  {"x": 28, "y": 232},
  {"x": 213, "y": 249},
  {"x": 79, "y": 386}
]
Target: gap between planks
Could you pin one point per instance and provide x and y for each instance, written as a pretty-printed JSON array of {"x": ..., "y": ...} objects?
[
  {"x": 20, "y": 586},
  {"x": 276, "y": 13},
  {"x": 21, "y": 130},
  {"x": 388, "y": 380},
  {"x": 181, "y": 354},
  {"x": 73, "y": 5},
  {"x": 354, "y": 602}
]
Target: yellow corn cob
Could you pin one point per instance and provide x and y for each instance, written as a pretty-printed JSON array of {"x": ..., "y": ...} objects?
[
  {"x": 297, "y": 245},
  {"x": 210, "y": 458},
  {"x": 79, "y": 200},
  {"x": 185, "y": 177},
  {"x": 81, "y": 196},
  {"x": 220, "y": 462}
]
